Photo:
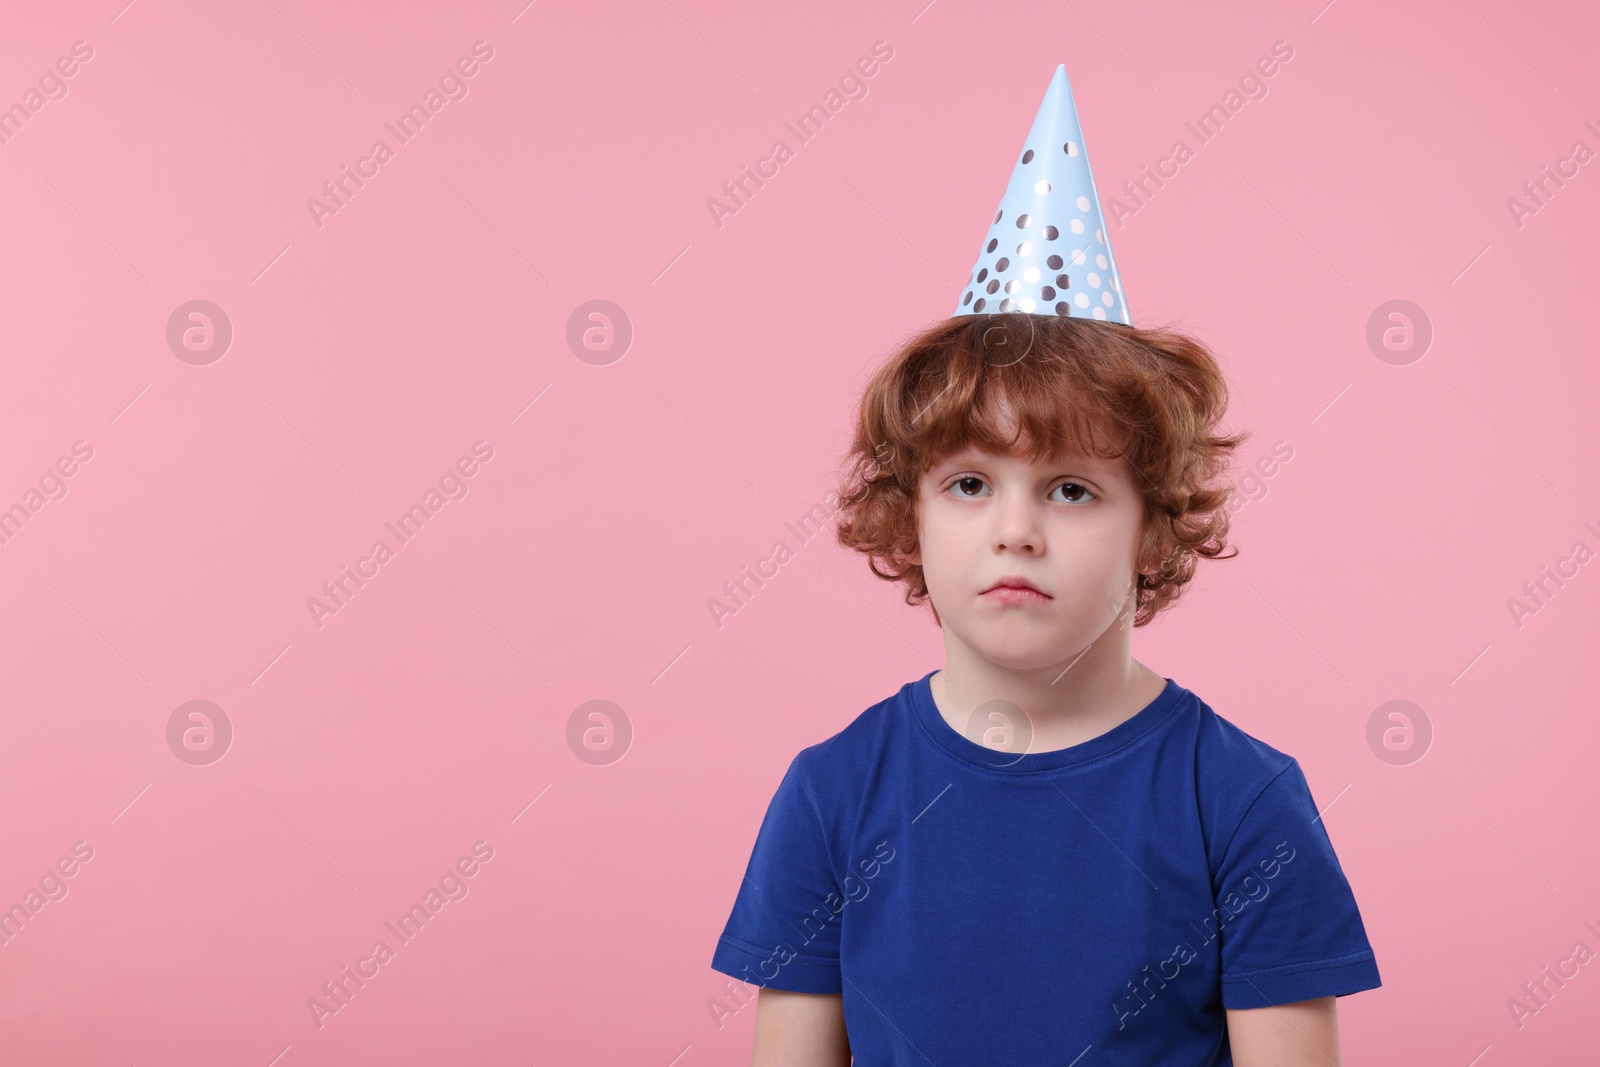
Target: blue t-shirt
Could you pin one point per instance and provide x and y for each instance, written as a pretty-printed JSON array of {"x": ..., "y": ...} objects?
[{"x": 975, "y": 906}]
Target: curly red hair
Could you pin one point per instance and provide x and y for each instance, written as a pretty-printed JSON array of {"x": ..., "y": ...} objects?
[{"x": 1042, "y": 386}]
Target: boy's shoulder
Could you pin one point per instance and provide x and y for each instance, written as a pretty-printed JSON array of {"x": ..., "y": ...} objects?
[
  {"x": 1222, "y": 745},
  {"x": 863, "y": 741},
  {"x": 1233, "y": 770}
]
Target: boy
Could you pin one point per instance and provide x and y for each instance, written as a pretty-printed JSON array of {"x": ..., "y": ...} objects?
[{"x": 1045, "y": 852}]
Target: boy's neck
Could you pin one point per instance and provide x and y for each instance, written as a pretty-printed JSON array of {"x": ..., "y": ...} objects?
[{"x": 1065, "y": 704}]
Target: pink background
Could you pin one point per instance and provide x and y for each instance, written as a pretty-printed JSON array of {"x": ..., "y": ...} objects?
[{"x": 368, "y": 354}]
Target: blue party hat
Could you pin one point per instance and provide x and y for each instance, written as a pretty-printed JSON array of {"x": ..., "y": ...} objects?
[{"x": 1047, "y": 252}]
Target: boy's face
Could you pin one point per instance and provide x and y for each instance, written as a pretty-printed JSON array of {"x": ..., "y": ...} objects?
[{"x": 1070, "y": 527}]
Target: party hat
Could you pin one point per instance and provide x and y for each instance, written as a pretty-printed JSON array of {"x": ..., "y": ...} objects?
[{"x": 1047, "y": 252}]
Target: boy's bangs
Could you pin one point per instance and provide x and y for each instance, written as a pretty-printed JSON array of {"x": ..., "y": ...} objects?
[{"x": 1007, "y": 396}]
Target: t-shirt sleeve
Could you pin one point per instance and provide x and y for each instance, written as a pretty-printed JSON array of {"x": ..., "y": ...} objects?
[
  {"x": 1290, "y": 929},
  {"x": 784, "y": 929}
]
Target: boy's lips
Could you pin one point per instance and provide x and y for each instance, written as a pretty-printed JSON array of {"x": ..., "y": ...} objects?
[
  {"x": 1014, "y": 589},
  {"x": 1009, "y": 594}
]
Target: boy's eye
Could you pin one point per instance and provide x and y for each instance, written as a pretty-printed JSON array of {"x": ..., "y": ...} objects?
[
  {"x": 962, "y": 484},
  {"x": 967, "y": 487},
  {"x": 1082, "y": 492}
]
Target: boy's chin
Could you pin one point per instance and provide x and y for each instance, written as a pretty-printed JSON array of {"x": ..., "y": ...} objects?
[{"x": 1022, "y": 654}]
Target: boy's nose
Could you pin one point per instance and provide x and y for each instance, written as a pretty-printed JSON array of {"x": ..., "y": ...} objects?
[{"x": 1017, "y": 528}]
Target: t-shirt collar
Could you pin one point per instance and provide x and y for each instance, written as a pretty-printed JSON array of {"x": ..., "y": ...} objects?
[{"x": 942, "y": 734}]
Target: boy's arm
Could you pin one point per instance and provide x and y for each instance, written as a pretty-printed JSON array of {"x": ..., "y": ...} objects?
[
  {"x": 800, "y": 1030},
  {"x": 1304, "y": 1034}
]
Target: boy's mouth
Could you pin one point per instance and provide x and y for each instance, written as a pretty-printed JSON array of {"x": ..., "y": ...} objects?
[{"x": 1014, "y": 589}]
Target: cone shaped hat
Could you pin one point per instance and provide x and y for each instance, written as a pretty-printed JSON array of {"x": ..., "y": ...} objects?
[{"x": 1047, "y": 251}]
